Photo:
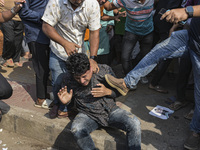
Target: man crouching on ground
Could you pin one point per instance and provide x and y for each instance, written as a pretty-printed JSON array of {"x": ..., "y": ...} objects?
[{"x": 95, "y": 102}]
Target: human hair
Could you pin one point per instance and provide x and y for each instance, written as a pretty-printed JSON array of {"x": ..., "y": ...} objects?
[{"x": 78, "y": 64}]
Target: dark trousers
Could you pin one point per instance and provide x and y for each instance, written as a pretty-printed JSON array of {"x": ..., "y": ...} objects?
[
  {"x": 128, "y": 44},
  {"x": 185, "y": 69},
  {"x": 13, "y": 36},
  {"x": 163, "y": 65},
  {"x": 40, "y": 60},
  {"x": 5, "y": 88}
]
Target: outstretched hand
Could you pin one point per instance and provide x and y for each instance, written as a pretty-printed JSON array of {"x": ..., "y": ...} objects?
[
  {"x": 100, "y": 91},
  {"x": 64, "y": 96}
]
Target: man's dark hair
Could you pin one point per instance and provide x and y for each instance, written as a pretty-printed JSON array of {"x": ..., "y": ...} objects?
[{"x": 78, "y": 64}]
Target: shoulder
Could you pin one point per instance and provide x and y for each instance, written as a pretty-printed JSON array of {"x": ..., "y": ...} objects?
[
  {"x": 92, "y": 5},
  {"x": 104, "y": 69}
]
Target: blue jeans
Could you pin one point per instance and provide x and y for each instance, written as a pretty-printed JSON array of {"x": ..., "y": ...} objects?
[
  {"x": 174, "y": 46},
  {"x": 82, "y": 126},
  {"x": 58, "y": 69},
  {"x": 195, "y": 123},
  {"x": 128, "y": 44}
]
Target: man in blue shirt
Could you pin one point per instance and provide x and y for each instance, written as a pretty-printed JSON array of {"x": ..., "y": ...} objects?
[{"x": 38, "y": 44}]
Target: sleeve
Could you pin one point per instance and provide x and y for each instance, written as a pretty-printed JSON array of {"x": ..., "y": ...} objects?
[
  {"x": 52, "y": 13},
  {"x": 109, "y": 13},
  {"x": 115, "y": 93},
  {"x": 117, "y": 3},
  {"x": 94, "y": 16},
  {"x": 29, "y": 15}
]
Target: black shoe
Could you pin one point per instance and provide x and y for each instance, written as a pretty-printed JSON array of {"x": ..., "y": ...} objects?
[
  {"x": 192, "y": 142},
  {"x": 53, "y": 113}
]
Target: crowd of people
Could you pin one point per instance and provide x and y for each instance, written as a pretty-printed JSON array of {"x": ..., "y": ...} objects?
[{"x": 75, "y": 40}]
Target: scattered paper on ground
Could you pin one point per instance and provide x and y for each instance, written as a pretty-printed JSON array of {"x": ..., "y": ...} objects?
[{"x": 161, "y": 112}]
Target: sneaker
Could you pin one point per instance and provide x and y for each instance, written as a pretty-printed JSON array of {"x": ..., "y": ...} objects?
[
  {"x": 144, "y": 80},
  {"x": 117, "y": 84},
  {"x": 192, "y": 142}
]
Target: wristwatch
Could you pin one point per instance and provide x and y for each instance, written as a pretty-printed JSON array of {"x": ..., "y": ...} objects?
[
  {"x": 94, "y": 58},
  {"x": 189, "y": 10},
  {"x": 13, "y": 11}
]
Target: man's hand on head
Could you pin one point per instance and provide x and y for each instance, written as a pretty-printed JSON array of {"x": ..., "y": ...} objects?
[
  {"x": 71, "y": 48},
  {"x": 175, "y": 15},
  {"x": 101, "y": 91},
  {"x": 94, "y": 66}
]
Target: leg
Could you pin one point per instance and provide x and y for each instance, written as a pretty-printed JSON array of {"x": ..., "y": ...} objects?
[
  {"x": 174, "y": 46},
  {"x": 18, "y": 31},
  {"x": 40, "y": 62},
  {"x": 124, "y": 120},
  {"x": 81, "y": 128},
  {"x": 8, "y": 46},
  {"x": 195, "y": 124},
  {"x": 193, "y": 141},
  {"x": 5, "y": 88},
  {"x": 58, "y": 68},
  {"x": 128, "y": 43}
]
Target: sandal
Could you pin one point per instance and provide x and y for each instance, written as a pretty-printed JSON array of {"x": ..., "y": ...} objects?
[
  {"x": 62, "y": 114},
  {"x": 189, "y": 115},
  {"x": 177, "y": 105},
  {"x": 158, "y": 89}
]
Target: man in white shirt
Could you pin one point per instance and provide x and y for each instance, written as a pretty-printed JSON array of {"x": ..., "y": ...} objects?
[{"x": 65, "y": 22}]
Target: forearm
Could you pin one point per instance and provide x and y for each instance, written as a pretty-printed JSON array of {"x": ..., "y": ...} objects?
[
  {"x": 94, "y": 42},
  {"x": 6, "y": 16},
  {"x": 196, "y": 11},
  {"x": 109, "y": 6},
  {"x": 53, "y": 34}
]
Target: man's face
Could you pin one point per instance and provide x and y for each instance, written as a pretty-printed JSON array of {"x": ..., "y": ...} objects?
[
  {"x": 85, "y": 78},
  {"x": 76, "y": 3},
  {"x": 101, "y": 2}
]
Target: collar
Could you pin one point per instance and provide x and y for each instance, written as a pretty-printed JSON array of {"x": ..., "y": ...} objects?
[{"x": 66, "y": 2}]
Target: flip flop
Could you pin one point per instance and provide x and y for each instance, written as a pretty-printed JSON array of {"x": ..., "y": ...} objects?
[
  {"x": 189, "y": 115},
  {"x": 177, "y": 105}
]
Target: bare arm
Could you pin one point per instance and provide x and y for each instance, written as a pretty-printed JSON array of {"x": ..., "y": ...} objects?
[
  {"x": 7, "y": 15},
  {"x": 177, "y": 15},
  {"x": 109, "y": 6},
  {"x": 94, "y": 45},
  {"x": 50, "y": 31}
]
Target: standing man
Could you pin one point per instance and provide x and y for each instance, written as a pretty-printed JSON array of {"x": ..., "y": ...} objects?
[
  {"x": 13, "y": 37},
  {"x": 138, "y": 28},
  {"x": 65, "y": 22},
  {"x": 38, "y": 44}
]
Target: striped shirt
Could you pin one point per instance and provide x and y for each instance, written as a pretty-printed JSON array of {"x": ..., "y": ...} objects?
[{"x": 139, "y": 16}]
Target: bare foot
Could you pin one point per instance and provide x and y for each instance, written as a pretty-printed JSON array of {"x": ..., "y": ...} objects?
[{"x": 64, "y": 96}]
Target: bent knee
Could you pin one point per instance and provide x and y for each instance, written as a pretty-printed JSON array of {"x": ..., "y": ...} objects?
[{"x": 79, "y": 132}]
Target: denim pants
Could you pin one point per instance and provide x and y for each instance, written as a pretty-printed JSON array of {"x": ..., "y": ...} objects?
[
  {"x": 128, "y": 44},
  {"x": 174, "y": 46},
  {"x": 82, "y": 126},
  {"x": 58, "y": 69}
]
